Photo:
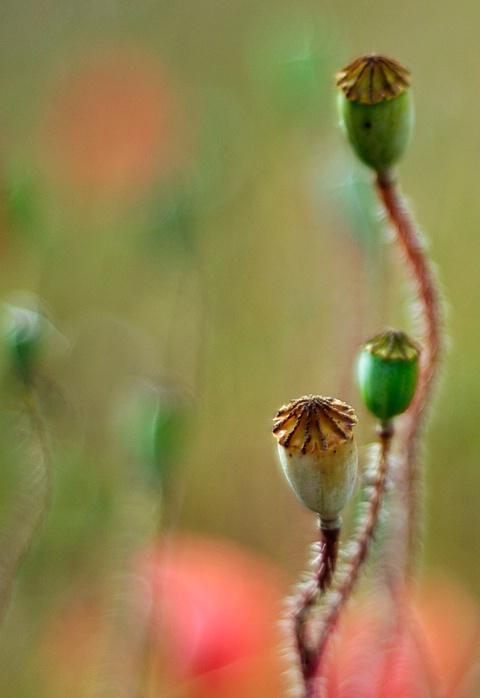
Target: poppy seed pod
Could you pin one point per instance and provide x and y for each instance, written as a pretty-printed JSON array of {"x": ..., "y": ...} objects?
[
  {"x": 318, "y": 452},
  {"x": 376, "y": 109},
  {"x": 387, "y": 373}
]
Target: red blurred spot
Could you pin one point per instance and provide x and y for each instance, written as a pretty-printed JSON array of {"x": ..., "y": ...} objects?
[
  {"x": 216, "y": 608},
  {"x": 212, "y": 631},
  {"x": 450, "y": 621},
  {"x": 429, "y": 655},
  {"x": 113, "y": 125}
]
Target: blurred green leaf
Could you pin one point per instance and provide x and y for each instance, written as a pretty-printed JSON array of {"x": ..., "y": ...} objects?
[{"x": 153, "y": 427}]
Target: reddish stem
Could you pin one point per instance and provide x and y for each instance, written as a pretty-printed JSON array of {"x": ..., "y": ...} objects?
[
  {"x": 431, "y": 317},
  {"x": 329, "y": 544},
  {"x": 307, "y": 597},
  {"x": 362, "y": 542},
  {"x": 312, "y": 655}
]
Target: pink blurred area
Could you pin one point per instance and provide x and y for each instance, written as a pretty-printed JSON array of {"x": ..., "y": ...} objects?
[
  {"x": 215, "y": 612},
  {"x": 113, "y": 124},
  {"x": 212, "y": 630},
  {"x": 435, "y": 655}
]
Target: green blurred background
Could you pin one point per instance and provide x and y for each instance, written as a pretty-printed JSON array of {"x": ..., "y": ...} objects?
[{"x": 176, "y": 191}]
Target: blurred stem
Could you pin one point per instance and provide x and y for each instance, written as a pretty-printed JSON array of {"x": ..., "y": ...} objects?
[
  {"x": 404, "y": 628},
  {"x": 33, "y": 499},
  {"x": 120, "y": 673},
  {"x": 374, "y": 486},
  {"x": 408, "y": 477},
  {"x": 148, "y": 653}
]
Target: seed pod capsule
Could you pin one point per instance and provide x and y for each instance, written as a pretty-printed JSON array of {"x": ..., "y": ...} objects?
[
  {"x": 376, "y": 109},
  {"x": 318, "y": 452},
  {"x": 387, "y": 373}
]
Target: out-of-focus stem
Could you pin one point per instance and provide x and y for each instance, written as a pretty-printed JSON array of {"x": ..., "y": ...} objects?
[
  {"x": 411, "y": 243},
  {"x": 33, "y": 500},
  {"x": 120, "y": 671}
]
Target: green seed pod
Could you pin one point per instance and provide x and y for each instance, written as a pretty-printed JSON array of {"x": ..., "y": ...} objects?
[
  {"x": 376, "y": 109},
  {"x": 25, "y": 335},
  {"x": 318, "y": 452},
  {"x": 387, "y": 373}
]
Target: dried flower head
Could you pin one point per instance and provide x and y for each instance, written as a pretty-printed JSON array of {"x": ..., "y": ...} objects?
[{"x": 318, "y": 452}]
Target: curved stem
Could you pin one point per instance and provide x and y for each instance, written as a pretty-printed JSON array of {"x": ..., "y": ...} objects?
[
  {"x": 308, "y": 594},
  {"x": 373, "y": 486},
  {"x": 124, "y": 658},
  {"x": 431, "y": 318},
  {"x": 33, "y": 501}
]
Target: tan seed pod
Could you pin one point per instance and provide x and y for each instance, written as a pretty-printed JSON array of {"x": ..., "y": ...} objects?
[{"x": 318, "y": 452}]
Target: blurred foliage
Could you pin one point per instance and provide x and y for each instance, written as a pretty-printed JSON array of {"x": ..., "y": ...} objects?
[{"x": 174, "y": 188}]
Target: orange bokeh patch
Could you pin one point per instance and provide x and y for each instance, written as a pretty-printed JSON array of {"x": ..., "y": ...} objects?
[{"x": 113, "y": 125}]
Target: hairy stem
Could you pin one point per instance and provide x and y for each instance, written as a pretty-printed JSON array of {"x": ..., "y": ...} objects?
[
  {"x": 329, "y": 536},
  {"x": 308, "y": 594},
  {"x": 432, "y": 339},
  {"x": 334, "y": 601},
  {"x": 32, "y": 502}
]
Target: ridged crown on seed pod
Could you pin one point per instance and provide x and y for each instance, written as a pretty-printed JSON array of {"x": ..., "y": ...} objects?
[
  {"x": 387, "y": 373},
  {"x": 318, "y": 452},
  {"x": 373, "y": 78},
  {"x": 376, "y": 109},
  {"x": 314, "y": 422}
]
